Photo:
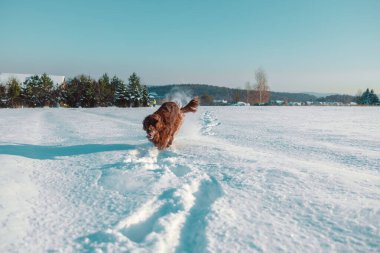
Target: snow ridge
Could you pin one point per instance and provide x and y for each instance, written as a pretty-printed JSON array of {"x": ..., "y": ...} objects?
[
  {"x": 182, "y": 198},
  {"x": 209, "y": 121}
]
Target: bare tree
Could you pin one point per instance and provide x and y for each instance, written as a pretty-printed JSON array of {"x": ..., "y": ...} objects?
[
  {"x": 358, "y": 95},
  {"x": 249, "y": 89},
  {"x": 236, "y": 96},
  {"x": 261, "y": 89}
]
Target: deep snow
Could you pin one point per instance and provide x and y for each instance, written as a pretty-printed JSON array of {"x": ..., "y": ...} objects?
[{"x": 238, "y": 179}]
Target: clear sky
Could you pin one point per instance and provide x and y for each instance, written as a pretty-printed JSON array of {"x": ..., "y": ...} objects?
[{"x": 305, "y": 45}]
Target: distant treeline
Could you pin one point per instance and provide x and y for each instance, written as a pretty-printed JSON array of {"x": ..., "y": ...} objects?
[
  {"x": 368, "y": 97},
  {"x": 223, "y": 93},
  {"x": 80, "y": 91},
  {"x": 209, "y": 94},
  {"x": 84, "y": 91}
]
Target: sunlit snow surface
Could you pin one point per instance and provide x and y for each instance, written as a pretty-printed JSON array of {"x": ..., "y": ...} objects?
[{"x": 238, "y": 179}]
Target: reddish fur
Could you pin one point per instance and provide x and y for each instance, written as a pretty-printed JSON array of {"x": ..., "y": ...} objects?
[{"x": 162, "y": 125}]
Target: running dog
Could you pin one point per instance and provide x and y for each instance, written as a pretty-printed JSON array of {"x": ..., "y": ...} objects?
[{"x": 162, "y": 125}]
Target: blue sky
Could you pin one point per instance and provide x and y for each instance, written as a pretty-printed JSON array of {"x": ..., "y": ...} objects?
[{"x": 322, "y": 46}]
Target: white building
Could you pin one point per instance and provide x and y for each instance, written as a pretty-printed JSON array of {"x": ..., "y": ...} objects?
[
  {"x": 4, "y": 78},
  {"x": 240, "y": 103}
]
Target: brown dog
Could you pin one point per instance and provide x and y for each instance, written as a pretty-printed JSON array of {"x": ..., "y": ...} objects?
[{"x": 162, "y": 125}]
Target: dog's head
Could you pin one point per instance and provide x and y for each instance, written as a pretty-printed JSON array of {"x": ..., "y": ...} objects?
[{"x": 152, "y": 124}]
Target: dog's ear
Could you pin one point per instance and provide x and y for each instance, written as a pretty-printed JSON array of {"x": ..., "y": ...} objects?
[
  {"x": 152, "y": 120},
  {"x": 157, "y": 121},
  {"x": 148, "y": 121}
]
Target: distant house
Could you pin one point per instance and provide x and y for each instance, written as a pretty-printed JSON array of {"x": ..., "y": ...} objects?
[
  {"x": 153, "y": 95},
  {"x": 241, "y": 104},
  {"x": 331, "y": 103},
  {"x": 4, "y": 78},
  {"x": 278, "y": 102},
  {"x": 220, "y": 102}
]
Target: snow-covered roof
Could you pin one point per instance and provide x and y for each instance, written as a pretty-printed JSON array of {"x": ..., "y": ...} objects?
[
  {"x": 4, "y": 77},
  {"x": 240, "y": 103},
  {"x": 220, "y": 101}
]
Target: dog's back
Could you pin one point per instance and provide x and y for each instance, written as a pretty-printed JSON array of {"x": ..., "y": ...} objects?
[{"x": 169, "y": 112}]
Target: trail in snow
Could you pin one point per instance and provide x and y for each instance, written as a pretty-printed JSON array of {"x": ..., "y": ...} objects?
[
  {"x": 236, "y": 179},
  {"x": 209, "y": 121},
  {"x": 173, "y": 218}
]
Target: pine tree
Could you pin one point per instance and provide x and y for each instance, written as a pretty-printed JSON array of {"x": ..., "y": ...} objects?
[
  {"x": 89, "y": 96},
  {"x": 38, "y": 90},
  {"x": 135, "y": 91},
  {"x": 368, "y": 98},
  {"x": 57, "y": 95},
  {"x": 374, "y": 99},
  {"x": 31, "y": 87},
  {"x": 71, "y": 92},
  {"x": 104, "y": 91},
  {"x": 14, "y": 91},
  {"x": 121, "y": 97},
  {"x": 46, "y": 90},
  {"x": 145, "y": 96},
  {"x": 3, "y": 95},
  {"x": 80, "y": 92},
  {"x": 365, "y": 99}
]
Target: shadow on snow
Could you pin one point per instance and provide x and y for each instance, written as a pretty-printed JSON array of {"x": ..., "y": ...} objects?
[{"x": 52, "y": 152}]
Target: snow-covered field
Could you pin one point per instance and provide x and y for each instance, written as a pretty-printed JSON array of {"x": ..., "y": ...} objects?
[{"x": 238, "y": 179}]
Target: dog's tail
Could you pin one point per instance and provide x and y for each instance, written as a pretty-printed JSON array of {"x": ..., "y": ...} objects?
[{"x": 192, "y": 106}]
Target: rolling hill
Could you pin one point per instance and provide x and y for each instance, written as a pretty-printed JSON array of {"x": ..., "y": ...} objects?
[{"x": 223, "y": 93}]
